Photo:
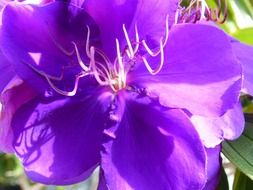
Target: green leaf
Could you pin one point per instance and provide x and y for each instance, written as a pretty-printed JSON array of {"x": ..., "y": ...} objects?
[
  {"x": 244, "y": 35},
  {"x": 242, "y": 182},
  {"x": 240, "y": 151},
  {"x": 223, "y": 184}
]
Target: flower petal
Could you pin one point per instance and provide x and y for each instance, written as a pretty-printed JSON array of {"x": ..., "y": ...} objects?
[
  {"x": 6, "y": 70},
  {"x": 213, "y": 131},
  {"x": 58, "y": 140},
  {"x": 15, "y": 94},
  {"x": 244, "y": 54},
  {"x": 78, "y": 3},
  {"x": 213, "y": 167},
  {"x": 154, "y": 148},
  {"x": 47, "y": 48},
  {"x": 36, "y": 2},
  {"x": 150, "y": 18},
  {"x": 102, "y": 183},
  {"x": 199, "y": 74}
]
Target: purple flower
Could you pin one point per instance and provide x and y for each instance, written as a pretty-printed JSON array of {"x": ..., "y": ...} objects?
[
  {"x": 112, "y": 84},
  {"x": 230, "y": 125},
  {"x": 227, "y": 126},
  {"x": 244, "y": 54}
]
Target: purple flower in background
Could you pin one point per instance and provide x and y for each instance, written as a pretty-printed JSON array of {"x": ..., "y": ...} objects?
[{"x": 109, "y": 85}]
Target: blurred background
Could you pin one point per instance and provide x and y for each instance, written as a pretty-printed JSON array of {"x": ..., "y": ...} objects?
[{"x": 239, "y": 24}]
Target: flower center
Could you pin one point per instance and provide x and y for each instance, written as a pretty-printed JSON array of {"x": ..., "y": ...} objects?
[
  {"x": 107, "y": 72},
  {"x": 114, "y": 74}
]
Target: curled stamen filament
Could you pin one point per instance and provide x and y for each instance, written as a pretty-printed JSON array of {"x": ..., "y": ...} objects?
[
  {"x": 58, "y": 45},
  {"x": 106, "y": 60},
  {"x": 95, "y": 69},
  {"x": 154, "y": 54},
  {"x": 81, "y": 63},
  {"x": 121, "y": 72},
  {"x": 137, "y": 39},
  {"x": 130, "y": 50},
  {"x": 88, "y": 42},
  {"x": 42, "y": 73},
  {"x": 49, "y": 79},
  {"x": 158, "y": 69},
  {"x": 67, "y": 93},
  {"x": 109, "y": 73}
]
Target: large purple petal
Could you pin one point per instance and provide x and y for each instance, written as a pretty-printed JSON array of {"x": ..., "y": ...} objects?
[
  {"x": 244, "y": 53},
  {"x": 199, "y": 74},
  {"x": 48, "y": 46},
  {"x": 58, "y": 140},
  {"x": 213, "y": 131},
  {"x": 153, "y": 148}
]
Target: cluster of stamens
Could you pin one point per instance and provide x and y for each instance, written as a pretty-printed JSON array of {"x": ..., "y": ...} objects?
[
  {"x": 111, "y": 73},
  {"x": 199, "y": 10},
  {"x": 114, "y": 73}
]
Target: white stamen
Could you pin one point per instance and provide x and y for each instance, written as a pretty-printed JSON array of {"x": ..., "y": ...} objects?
[
  {"x": 88, "y": 42},
  {"x": 67, "y": 93},
  {"x": 130, "y": 51},
  {"x": 61, "y": 48},
  {"x": 177, "y": 17},
  {"x": 94, "y": 68},
  {"x": 154, "y": 54},
  {"x": 50, "y": 77},
  {"x": 107, "y": 73},
  {"x": 119, "y": 57},
  {"x": 204, "y": 8},
  {"x": 121, "y": 73},
  {"x": 137, "y": 39},
  {"x": 166, "y": 31},
  {"x": 107, "y": 61},
  {"x": 81, "y": 63},
  {"x": 44, "y": 74},
  {"x": 158, "y": 69}
]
